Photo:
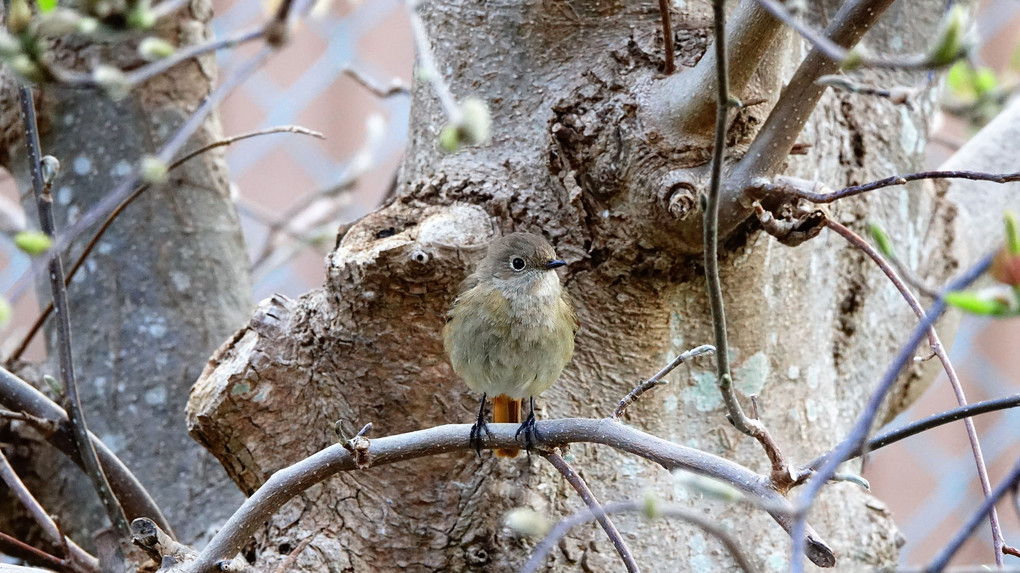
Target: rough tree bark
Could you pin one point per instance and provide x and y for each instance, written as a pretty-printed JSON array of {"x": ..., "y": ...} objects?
[
  {"x": 584, "y": 151},
  {"x": 164, "y": 286}
]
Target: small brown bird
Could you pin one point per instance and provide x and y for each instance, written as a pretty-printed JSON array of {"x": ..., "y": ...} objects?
[{"x": 511, "y": 331}]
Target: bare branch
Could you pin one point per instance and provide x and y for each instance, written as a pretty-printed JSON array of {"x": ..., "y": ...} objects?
[
  {"x": 711, "y": 226},
  {"x": 688, "y": 99},
  {"x": 143, "y": 74},
  {"x": 801, "y": 189},
  {"x": 79, "y": 427},
  {"x": 987, "y": 506},
  {"x": 288, "y": 482},
  {"x": 657, "y": 379},
  {"x": 43, "y": 425},
  {"x": 663, "y": 510},
  {"x": 859, "y": 433},
  {"x": 898, "y": 95},
  {"x": 429, "y": 67},
  {"x": 892, "y": 436},
  {"x": 954, "y": 380},
  {"x": 841, "y": 55},
  {"x": 14, "y": 483},
  {"x": 41, "y": 319},
  {"x": 20, "y": 396},
  {"x": 396, "y": 86},
  {"x": 17, "y": 548},
  {"x": 782, "y": 477},
  {"x": 72, "y": 552},
  {"x": 667, "y": 37},
  {"x": 594, "y": 507},
  {"x": 778, "y": 135},
  {"x": 126, "y": 187}
]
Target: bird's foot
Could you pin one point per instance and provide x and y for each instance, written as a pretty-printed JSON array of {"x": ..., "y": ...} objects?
[
  {"x": 476, "y": 435},
  {"x": 475, "y": 441},
  {"x": 530, "y": 430}
]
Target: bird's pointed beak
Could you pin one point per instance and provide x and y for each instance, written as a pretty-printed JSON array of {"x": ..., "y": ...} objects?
[{"x": 554, "y": 264}]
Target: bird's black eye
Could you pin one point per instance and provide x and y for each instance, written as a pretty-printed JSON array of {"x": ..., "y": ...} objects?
[{"x": 517, "y": 264}]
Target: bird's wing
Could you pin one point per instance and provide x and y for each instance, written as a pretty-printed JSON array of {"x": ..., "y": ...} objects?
[{"x": 465, "y": 285}]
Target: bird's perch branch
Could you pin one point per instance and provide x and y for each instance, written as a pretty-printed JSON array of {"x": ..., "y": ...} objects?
[{"x": 289, "y": 482}]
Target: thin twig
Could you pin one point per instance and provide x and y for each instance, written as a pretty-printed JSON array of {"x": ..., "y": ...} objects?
[
  {"x": 954, "y": 380},
  {"x": 14, "y": 483},
  {"x": 126, "y": 187},
  {"x": 795, "y": 188},
  {"x": 17, "y": 548},
  {"x": 859, "y": 433},
  {"x": 667, "y": 36},
  {"x": 657, "y": 379},
  {"x": 288, "y": 482},
  {"x": 72, "y": 552},
  {"x": 20, "y": 396},
  {"x": 44, "y": 205},
  {"x": 147, "y": 72},
  {"x": 909, "y": 277},
  {"x": 41, "y": 319},
  {"x": 34, "y": 421},
  {"x": 987, "y": 506},
  {"x": 287, "y": 563},
  {"x": 139, "y": 76},
  {"x": 167, "y": 7},
  {"x": 594, "y": 507},
  {"x": 839, "y": 54},
  {"x": 892, "y": 436},
  {"x": 664, "y": 510},
  {"x": 396, "y": 86},
  {"x": 781, "y": 475},
  {"x": 898, "y": 95},
  {"x": 711, "y": 226},
  {"x": 429, "y": 67},
  {"x": 770, "y": 148}
]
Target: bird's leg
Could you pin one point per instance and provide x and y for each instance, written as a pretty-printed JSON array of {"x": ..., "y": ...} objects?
[
  {"x": 529, "y": 428},
  {"x": 478, "y": 427}
]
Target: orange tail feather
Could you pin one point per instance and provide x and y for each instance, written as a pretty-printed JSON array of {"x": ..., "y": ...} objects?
[{"x": 506, "y": 410}]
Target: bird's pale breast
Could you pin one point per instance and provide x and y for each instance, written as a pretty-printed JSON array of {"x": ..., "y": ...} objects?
[{"x": 516, "y": 345}]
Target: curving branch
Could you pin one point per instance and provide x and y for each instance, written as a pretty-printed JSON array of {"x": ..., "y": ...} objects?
[
  {"x": 595, "y": 508},
  {"x": 76, "y": 414},
  {"x": 83, "y": 256},
  {"x": 73, "y": 553},
  {"x": 841, "y": 55},
  {"x": 816, "y": 193},
  {"x": 657, "y": 378},
  {"x": 768, "y": 151},
  {"x": 126, "y": 187},
  {"x": 942, "y": 559},
  {"x": 939, "y": 350},
  {"x": 659, "y": 510},
  {"x": 859, "y": 433},
  {"x": 688, "y": 98},
  {"x": 923, "y": 425},
  {"x": 289, "y": 482},
  {"x": 711, "y": 228},
  {"x": 20, "y": 396}
]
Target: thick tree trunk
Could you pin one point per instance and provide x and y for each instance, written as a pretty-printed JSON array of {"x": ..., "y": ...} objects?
[
  {"x": 579, "y": 154},
  {"x": 164, "y": 286}
]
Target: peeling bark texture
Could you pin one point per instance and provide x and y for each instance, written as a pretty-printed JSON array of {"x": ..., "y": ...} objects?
[
  {"x": 569, "y": 83},
  {"x": 164, "y": 286}
]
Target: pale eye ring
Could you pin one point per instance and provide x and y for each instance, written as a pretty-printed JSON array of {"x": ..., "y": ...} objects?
[{"x": 517, "y": 264}]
